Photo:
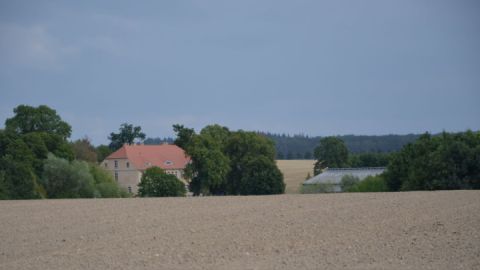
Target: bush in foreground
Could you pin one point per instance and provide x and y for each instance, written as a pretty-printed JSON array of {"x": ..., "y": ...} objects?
[{"x": 156, "y": 183}]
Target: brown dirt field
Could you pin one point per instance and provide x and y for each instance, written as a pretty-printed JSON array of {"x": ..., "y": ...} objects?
[
  {"x": 294, "y": 173},
  {"x": 410, "y": 230}
]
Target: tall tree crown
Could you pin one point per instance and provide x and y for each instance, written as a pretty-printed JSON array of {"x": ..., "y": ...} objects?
[{"x": 29, "y": 119}]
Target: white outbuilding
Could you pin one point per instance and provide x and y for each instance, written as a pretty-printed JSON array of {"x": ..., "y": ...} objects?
[{"x": 332, "y": 177}]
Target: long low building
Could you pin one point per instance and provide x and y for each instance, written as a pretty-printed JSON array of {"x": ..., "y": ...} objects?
[{"x": 333, "y": 176}]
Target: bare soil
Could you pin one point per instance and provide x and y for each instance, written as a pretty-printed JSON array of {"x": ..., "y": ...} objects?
[{"x": 411, "y": 230}]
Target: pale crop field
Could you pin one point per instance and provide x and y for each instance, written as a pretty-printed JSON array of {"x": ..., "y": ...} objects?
[{"x": 294, "y": 173}]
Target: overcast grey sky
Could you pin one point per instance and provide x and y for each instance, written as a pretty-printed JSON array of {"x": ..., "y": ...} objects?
[{"x": 313, "y": 67}]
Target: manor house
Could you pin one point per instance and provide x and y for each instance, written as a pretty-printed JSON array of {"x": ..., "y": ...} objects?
[{"x": 128, "y": 163}]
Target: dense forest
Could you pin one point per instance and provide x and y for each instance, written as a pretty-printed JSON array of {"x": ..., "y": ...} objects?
[{"x": 302, "y": 146}]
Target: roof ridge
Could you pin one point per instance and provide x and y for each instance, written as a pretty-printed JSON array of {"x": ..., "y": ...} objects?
[{"x": 358, "y": 168}]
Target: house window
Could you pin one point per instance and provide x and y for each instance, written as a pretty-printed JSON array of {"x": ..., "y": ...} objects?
[
  {"x": 116, "y": 176},
  {"x": 129, "y": 189},
  {"x": 106, "y": 164},
  {"x": 116, "y": 163},
  {"x": 128, "y": 164}
]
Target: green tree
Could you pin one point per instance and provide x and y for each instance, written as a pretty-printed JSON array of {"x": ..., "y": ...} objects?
[
  {"x": 209, "y": 166},
  {"x": 64, "y": 179},
  {"x": 127, "y": 135},
  {"x": 41, "y": 129},
  {"x": 103, "y": 151},
  {"x": 3, "y": 186},
  {"x": 369, "y": 160},
  {"x": 369, "y": 184},
  {"x": 36, "y": 144},
  {"x": 37, "y": 119},
  {"x": 58, "y": 146},
  {"x": 184, "y": 135},
  {"x": 223, "y": 162},
  {"x": 331, "y": 153},
  {"x": 20, "y": 181},
  {"x": 307, "y": 155},
  {"x": 16, "y": 162},
  {"x": 156, "y": 183},
  {"x": 261, "y": 177},
  {"x": 84, "y": 150},
  {"x": 348, "y": 182},
  {"x": 105, "y": 186},
  {"x": 447, "y": 161},
  {"x": 245, "y": 150}
]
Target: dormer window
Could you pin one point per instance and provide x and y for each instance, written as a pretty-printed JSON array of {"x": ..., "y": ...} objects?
[{"x": 168, "y": 162}]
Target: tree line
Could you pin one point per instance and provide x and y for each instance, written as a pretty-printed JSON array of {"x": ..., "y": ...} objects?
[
  {"x": 332, "y": 152},
  {"x": 225, "y": 162},
  {"x": 445, "y": 161},
  {"x": 301, "y": 146},
  {"x": 37, "y": 160},
  {"x": 432, "y": 162}
]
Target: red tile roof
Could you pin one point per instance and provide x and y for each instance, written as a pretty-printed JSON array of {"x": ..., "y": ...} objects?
[{"x": 165, "y": 156}]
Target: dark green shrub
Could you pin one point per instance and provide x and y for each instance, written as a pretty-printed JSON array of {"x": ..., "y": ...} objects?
[
  {"x": 64, "y": 179},
  {"x": 446, "y": 161},
  {"x": 261, "y": 177},
  {"x": 317, "y": 188},
  {"x": 156, "y": 183},
  {"x": 105, "y": 186},
  {"x": 348, "y": 181},
  {"x": 370, "y": 184}
]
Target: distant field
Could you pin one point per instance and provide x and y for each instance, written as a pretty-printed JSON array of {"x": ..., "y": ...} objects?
[{"x": 294, "y": 173}]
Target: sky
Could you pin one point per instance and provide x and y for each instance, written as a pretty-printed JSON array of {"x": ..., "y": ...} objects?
[{"x": 316, "y": 67}]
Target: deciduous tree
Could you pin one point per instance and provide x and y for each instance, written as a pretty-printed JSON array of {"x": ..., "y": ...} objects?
[
  {"x": 447, "y": 161},
  {"x": 64, "y": 179},
  {"x": 331, "y": 153},
  {"x": 84, "y": 150},
  {"x": 156, "y": 183},
  {"x": 127, "y": 135},
  {"x": 184, "y": 135},
  {"x": 103, "y": 151},
  {"x": 37, "y": 119}
]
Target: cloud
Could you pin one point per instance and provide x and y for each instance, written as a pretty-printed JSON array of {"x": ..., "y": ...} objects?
[
  {"x": 48, "y": 46},
  {"x": 121, "y": 23},
  {"x": 31, "y": 47}
]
